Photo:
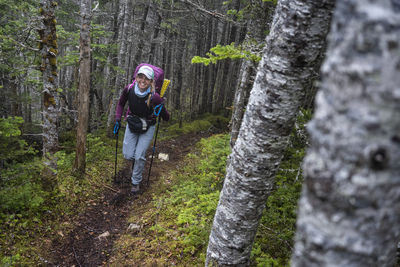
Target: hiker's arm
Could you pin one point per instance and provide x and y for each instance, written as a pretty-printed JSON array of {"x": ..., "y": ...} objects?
[
  {"x": 121, "y": 103},
  {"x": 164, "y": 114}
]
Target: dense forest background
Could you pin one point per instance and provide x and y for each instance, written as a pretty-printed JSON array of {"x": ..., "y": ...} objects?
[
  {"x": 123, "y": 34},
  {"x": 207, "y": 49},
  {"x": 244, "y": 77}
]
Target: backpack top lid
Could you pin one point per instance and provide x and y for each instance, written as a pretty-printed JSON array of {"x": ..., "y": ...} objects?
[{"x": 158, "y": 75}]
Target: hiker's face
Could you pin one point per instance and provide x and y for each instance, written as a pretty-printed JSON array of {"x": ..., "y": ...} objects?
[{"x": 143, "y": 82}]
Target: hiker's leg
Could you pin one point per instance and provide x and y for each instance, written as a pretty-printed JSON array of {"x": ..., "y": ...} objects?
[
  {"x": 129, "y": 145},
  {"x": 140, "y": 154}
]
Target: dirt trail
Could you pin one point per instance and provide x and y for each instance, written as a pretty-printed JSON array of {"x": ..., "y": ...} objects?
[{"x": 107, "y": 216}]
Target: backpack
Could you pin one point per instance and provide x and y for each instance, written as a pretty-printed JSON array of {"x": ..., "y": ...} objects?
[{"x": 158, "y": 76}]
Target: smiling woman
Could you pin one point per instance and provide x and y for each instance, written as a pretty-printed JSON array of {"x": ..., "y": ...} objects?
[
  {"x": 145, "y": 78},
  {"x": 142, "y": 99}
]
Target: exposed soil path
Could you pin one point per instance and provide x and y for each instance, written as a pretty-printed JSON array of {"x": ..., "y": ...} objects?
[{"x": 90, "y": 243}]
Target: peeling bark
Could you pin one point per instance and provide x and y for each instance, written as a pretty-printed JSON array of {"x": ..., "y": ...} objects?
[
  {"x": 297, "y": 37},
  {"x": 349, "y": 209}
]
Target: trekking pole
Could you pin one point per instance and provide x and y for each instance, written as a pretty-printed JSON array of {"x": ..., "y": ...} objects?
[
  {"x": 154, "y": 150},
  {"x": 115, "y": 131},
  {"x": 116, "y": 149},
  {"x": 163, "y": 89}
]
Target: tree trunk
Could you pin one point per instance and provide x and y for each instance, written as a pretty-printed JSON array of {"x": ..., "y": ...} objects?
[
  {"x": 48, "y": 50},
  {"x": 122, "y": 40},
  {"x": 113, "y": 58},
  {"x": 84, "y": 87},
  {"x": 349, "y": 208},
  {"x": 141, "y": 36},
  {"x": 248, "y": 69},
  {"x": 297, "y": 36},
  {"x": 154, "y": 40},
  {"x": 247, "y": 74}
]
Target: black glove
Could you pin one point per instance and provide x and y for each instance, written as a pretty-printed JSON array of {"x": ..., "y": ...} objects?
[{"x": 116, "y": 127}]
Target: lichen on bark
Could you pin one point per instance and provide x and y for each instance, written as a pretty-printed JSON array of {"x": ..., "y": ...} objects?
[{"x": 349, "y": 209}]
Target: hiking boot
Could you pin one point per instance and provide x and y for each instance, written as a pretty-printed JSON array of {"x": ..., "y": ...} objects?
[{"x": 135, "y": 189}]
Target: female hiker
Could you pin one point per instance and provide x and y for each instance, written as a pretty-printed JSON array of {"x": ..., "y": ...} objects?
[{"x": 144, "y": 104}]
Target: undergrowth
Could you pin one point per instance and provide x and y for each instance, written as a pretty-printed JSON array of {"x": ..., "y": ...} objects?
[
  {"x": 180, "y": 219},
  {"x": 29, "y": 213},
  {"x": 207, "y": 122}
]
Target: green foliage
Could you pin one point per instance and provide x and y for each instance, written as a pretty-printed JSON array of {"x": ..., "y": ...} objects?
[
  {"x": 12, "y": 146},
  {"x": 26, "y": 209},
  {"x": 221, "y": 52},
  {"x": 274, "y": 239},
  {"x": 275, "y": 2},
  {"x": 20, "y": 191},
  {"x": 217, "y": 121},
  {"x": 206, "y": 122},
  {"x": 192, "y": 127},
  {"x": 185, "y": 213}
]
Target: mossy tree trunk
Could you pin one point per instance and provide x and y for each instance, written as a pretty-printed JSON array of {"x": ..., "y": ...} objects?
[
  {"x": 50, "y": 106},
  {"x": 297, "y": 37},
  {"x": 84, "y": 87},
  {"x": 349, "y": 211}
]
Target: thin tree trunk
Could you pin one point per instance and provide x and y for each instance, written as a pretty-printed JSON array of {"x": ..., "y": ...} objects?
[
  {"x": 349, "y": 208},
  {"x": 48, "y": 50},
  {"x": 141, "y": 36},
  {"x": 152, "y": 55},
  {"x": 241, "y": 95},
  {"x": 296, "y": 39},
  {"x": 84, "y": 87},
  {"x": 248, "y": 69},
  {"x": 119, "y": 81},
  {"x": 117, "y": 21}
]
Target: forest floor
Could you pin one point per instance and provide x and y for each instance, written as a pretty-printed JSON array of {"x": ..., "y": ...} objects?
[{"x": 92, "y": 233}]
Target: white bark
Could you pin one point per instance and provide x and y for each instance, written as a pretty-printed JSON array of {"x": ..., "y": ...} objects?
[
  {"x": 294, "y": 44},
  {"x": 350, "y": 204}
]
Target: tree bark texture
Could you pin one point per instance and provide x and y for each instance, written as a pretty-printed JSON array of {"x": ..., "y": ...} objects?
[
  {"x": 248, "y": 69},
  {"x": 123, "y": 22},
  {"x": 349, "y": 209},
  {"x": 247, "y": 75},
  {"x": 84, "y": 87},
  {"x": 48, "y": 50},
  {"x": 296, "y": 39}
]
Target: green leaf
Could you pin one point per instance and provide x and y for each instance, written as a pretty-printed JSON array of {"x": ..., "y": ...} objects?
[{"x": 221, "y": 52}]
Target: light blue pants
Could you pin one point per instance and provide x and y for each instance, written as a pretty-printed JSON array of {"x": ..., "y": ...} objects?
[{"x": 134, "y": 148}]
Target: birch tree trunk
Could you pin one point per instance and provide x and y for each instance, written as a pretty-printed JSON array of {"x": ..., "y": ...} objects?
[
  {"x": 48, "y": 51},
  {"x": 350, "y": 206},
  {"x": 297, "y": 35},
  {"x": 84, "y": 87}
]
